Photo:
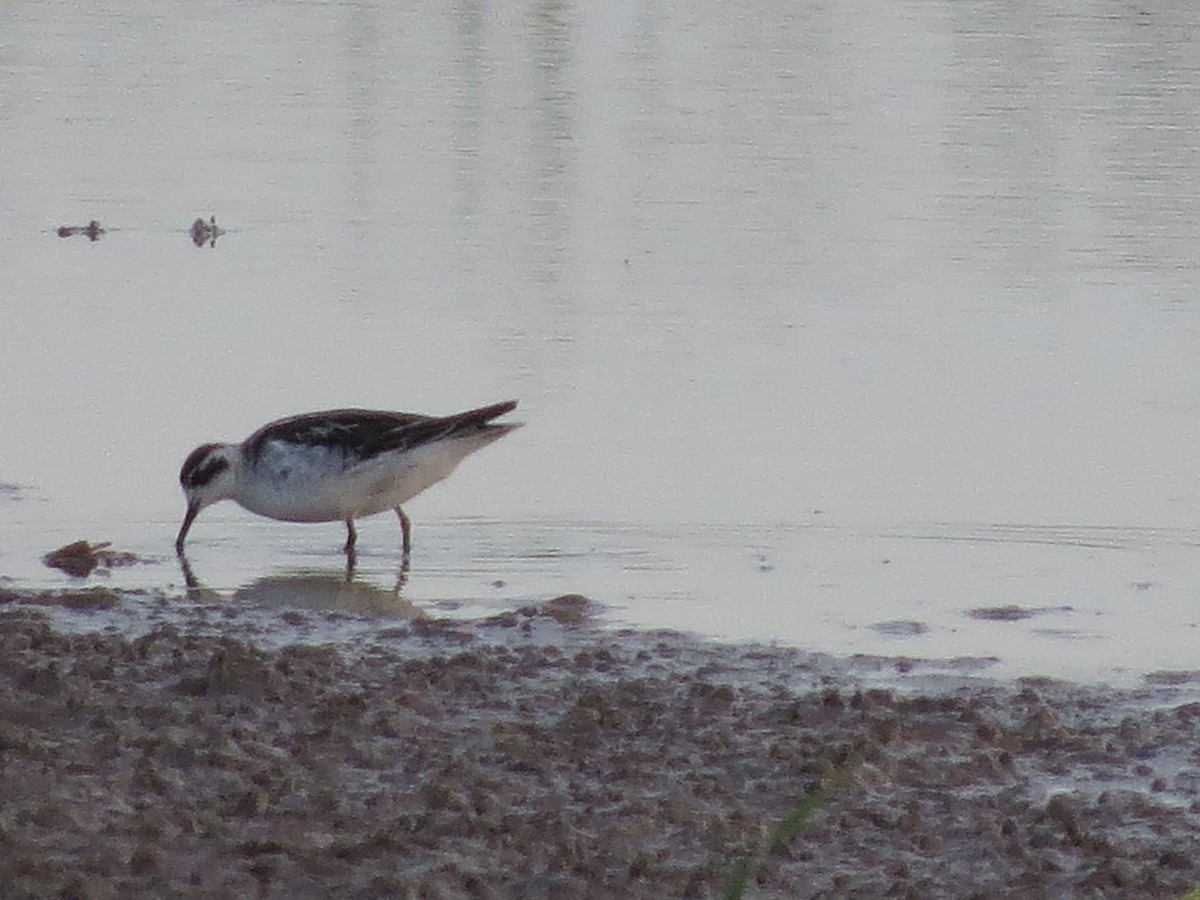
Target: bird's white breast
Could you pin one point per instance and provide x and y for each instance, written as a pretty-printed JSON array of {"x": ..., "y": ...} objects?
[{"x": 298, "y": 483}]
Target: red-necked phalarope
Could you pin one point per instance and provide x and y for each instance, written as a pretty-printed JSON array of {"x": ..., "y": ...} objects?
[{"x": 338, "y": 465}]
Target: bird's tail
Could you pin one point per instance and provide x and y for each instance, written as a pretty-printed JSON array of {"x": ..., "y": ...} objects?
[{"x": 479, "y": 421}]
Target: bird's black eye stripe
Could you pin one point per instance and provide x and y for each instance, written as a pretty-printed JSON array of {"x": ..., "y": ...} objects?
[{"x": 201, "y": 467}]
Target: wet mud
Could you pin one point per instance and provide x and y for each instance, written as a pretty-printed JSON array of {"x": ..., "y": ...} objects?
[{"x": 533, "y": 755}]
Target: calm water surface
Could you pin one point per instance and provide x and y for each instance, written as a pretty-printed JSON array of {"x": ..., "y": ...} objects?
[{"x": 830, "y": 322}]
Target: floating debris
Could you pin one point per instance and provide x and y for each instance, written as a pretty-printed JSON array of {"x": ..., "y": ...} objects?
[
  {"x": 205, "y": 232},
  {"x": 1012, "y": 612},
  {"x": 899, "y": 628},
  {"x": 92, "y": 230},
  {"x": 81, "y": 558}
]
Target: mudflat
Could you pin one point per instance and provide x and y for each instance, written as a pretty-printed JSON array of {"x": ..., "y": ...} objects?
[{"x": 534, "y": 755}]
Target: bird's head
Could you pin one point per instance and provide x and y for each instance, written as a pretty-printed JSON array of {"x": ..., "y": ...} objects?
[{"x": 208, "y": 475}]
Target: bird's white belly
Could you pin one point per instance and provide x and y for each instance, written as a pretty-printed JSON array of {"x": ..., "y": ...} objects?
[{"x": 312, "y": 486}]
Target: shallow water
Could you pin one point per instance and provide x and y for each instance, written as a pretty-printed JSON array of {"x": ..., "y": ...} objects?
[{"x": 829, "y": 325}]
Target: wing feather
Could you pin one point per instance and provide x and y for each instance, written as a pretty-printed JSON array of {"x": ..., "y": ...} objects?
[{"x": 360, "y": 434}]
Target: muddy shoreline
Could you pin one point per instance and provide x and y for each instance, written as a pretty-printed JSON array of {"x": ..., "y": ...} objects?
[{"x": 535, "y": 755}]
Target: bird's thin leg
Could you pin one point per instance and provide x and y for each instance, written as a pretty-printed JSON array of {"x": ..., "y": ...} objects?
[
  {"x": 402, "y": 575},
  {"x": 351, "y": 556},
  {"x": 189, "y": 578},
  {"x": 405, "y": 530}
]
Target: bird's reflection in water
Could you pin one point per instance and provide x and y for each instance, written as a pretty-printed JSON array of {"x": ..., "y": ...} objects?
[
  {"x": 325, "y": 592},
  {"x": 197, "y": 591},
  {"x": 316, "y": 590}
]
